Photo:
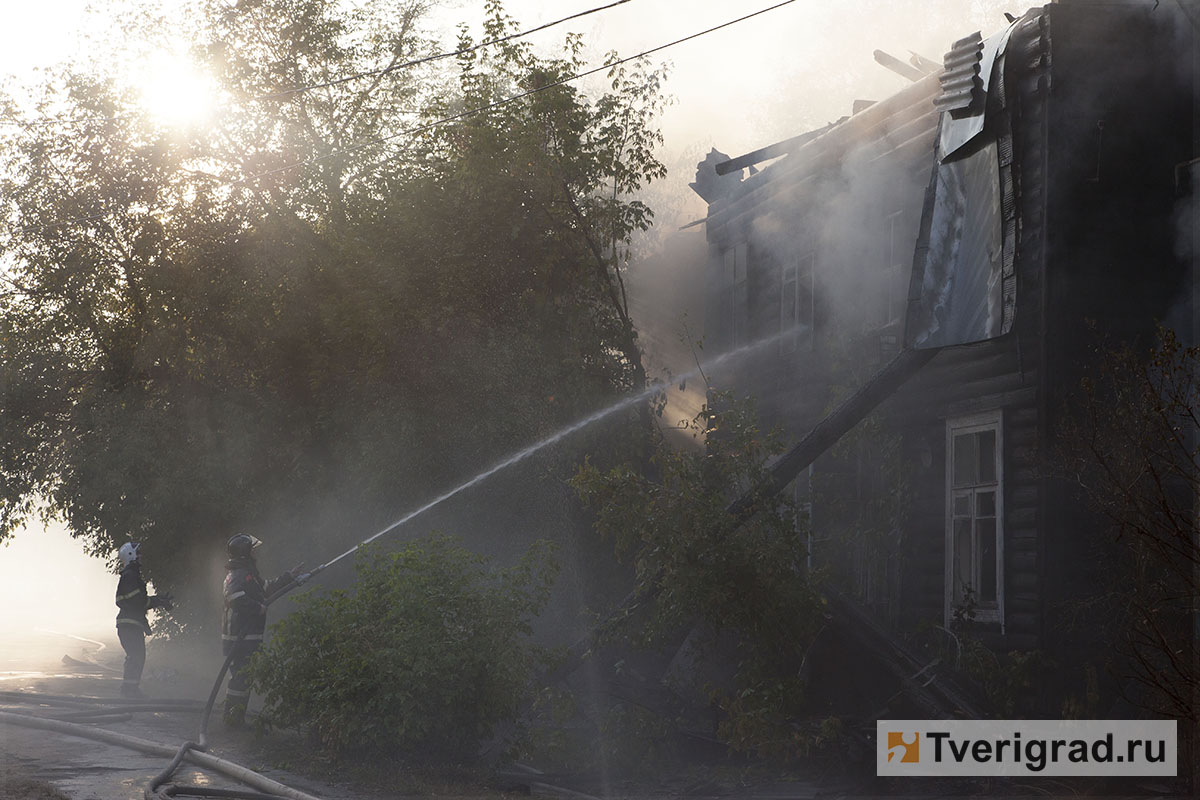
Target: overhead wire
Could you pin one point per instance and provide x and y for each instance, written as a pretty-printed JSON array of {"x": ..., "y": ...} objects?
[
  {"x": 353, "y": 148},
  {"x": 436, "y": 57},
  {"x": 347, "y": 78},
  {"x": 505, "y": 101}
]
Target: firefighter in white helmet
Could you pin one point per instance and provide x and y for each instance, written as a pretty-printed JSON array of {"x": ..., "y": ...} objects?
[{"x": 132, "y": 626}]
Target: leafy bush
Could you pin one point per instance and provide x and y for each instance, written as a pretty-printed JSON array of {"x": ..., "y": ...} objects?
[{"x": 424, "y": 654}]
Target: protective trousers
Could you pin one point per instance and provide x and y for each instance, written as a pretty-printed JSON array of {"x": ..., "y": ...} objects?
[
  {"x": 133, "y": 640},
  {"x": 237, "y": 695}
]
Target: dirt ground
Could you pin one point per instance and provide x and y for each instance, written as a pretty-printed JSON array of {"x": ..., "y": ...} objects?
[{"x": 15, "y": 786}]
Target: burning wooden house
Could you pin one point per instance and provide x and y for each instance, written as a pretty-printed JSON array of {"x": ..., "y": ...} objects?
[{"x": 974, "y": 225}]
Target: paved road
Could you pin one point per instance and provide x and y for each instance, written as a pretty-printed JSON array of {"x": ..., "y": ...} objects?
[{"x": 84, "y": 769}]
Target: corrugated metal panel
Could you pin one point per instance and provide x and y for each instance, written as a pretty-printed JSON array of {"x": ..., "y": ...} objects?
[{"x": 962, "y": 86}]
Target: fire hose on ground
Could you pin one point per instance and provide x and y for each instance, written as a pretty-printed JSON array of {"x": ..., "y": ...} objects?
[
  {"x": 196, "y": 752},
  {"x": 225, "y": 767},
  {"x": 159, "y": 788}
]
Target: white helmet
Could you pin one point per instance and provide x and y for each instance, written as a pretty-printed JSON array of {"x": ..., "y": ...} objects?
[{"x": 128, "y": 553}]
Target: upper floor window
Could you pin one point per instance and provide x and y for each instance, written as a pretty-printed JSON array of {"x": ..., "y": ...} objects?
[
  {"x": 796, "y": 303},
  {"x": 974, "y": 519}
]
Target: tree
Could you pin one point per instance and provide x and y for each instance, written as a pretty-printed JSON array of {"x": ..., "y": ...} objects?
[
  {"x": 740, "y": 582},
  {"x": 1133, "y": 448},
  {"x": 283, "y": 320}
]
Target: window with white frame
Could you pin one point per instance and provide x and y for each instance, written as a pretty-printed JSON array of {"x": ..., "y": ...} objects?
[
  {"x": 736, "y": 294},
  {"x": 974, "y": 518},
  {"x": 796, "y": 302}
]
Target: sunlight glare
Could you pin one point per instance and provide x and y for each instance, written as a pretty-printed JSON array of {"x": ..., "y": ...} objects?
[{"x": 176, "y": 91}]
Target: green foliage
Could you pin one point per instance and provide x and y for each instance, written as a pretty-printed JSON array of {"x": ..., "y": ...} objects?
[
  {"x": 1009, "y": 684},
  {"x": 634, "y": 741},
  {"x": 544, "y": 732},
  {"x": 270, "y": 321},
  {"x": 757, "y": 720},
  {"x": 739, "y": 583},
  {"x": 426, "y": 653},
  {"x": 1009, "y": 681}
]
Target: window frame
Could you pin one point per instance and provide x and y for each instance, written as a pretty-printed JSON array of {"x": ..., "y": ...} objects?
[
  {"x": 736, "y": 294},
  {"x": 803, "y": 280},
  {"x": 958, "y": 426}
]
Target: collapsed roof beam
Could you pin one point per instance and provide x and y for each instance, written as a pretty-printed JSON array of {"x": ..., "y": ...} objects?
[
  {"x": 770, "y": 151},
  {"x": 882, "y": 385},
  {"x": 927, "y": 65},
  {"x": 897, "y": 66}
]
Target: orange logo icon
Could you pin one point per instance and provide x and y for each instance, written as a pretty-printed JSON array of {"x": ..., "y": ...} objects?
[{"x": 907, "y": 746}]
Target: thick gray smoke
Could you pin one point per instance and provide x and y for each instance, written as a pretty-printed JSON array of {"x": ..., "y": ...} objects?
[
  {"x": 741, "y": 88},
  {"x": 750, "y": 86}
]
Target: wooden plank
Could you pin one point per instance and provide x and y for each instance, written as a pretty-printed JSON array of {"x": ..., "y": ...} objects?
[
  {"x": 1022, "y": 475},
  {"x": 1023, "y": 584},
  {"x": 1020, "y": 560},
  {"x": 1023, "y": 395},
  {"x": 1020, "y": 524},
  {"x": 1022, "y": 623},
  {"x": 1022, "y": 496}
]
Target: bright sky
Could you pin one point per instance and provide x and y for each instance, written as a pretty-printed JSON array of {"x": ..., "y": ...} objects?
[
  {"x": 769, "y": 78},
  {"x": 47, "y": 582}
]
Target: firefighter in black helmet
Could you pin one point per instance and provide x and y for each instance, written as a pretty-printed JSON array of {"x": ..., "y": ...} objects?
[{"x": 245, "y": 618}]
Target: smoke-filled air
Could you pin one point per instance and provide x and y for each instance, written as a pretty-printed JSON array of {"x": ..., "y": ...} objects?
[{"x": 613, "y": 399}]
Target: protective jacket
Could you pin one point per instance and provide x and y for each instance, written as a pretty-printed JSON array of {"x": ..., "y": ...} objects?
[
  {"x": 132, "y": 599},
  {"x": 245, "y": 597}
]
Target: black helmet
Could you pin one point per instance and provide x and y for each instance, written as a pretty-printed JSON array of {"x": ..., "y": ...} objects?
[{"x": 242, "y": 545}]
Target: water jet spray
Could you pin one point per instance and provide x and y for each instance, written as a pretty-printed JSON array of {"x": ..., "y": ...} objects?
[{"x": 554, "y": 438}]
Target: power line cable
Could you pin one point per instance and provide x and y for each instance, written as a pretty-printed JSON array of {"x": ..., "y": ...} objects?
[
  {"x": 438, "y": 56},
  {"x": 505, "y": 101},
  {"x": 348, "y": 78},
  {"x": 461, "y": 115}
]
